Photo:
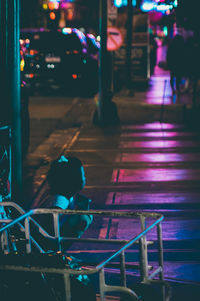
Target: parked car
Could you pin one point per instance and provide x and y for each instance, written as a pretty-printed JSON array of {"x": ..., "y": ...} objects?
[
  {"x": 93, "y": 45},
  {"x": 59, "y": 59}
]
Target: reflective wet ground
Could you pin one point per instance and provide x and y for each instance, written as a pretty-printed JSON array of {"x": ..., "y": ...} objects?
[{"x": 150, "y": 167}]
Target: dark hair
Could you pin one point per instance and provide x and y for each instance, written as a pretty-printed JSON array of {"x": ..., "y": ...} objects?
[{"x": 65, "y": 176}]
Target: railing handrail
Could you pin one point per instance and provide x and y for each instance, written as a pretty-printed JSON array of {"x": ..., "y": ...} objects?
[
  {"x": 21, "y": 211},
  {"x": 130, "y": 243},
  {"x": 99, "y": 268},
  {"x": 99, "y": 212},
  {"x": 93, "y": 212}
]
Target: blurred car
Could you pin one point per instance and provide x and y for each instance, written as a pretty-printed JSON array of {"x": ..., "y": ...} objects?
[
  {"x": 59, "y": 59},
  {"x": 93, "y": 45}
]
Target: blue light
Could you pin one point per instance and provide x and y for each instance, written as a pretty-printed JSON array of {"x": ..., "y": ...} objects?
[
  {"x": 164, "y": 7},
  {"x": 119, "y": 3},
  {"x": 175, "y": 3},
  {"x": 165, "y": 30},
  {"x": 148, "y": 6}
]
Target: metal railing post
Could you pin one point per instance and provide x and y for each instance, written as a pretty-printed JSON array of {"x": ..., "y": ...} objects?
[
  {"x": 143, "y": 252},
  {"x": 4, "y": 242},
  {"x": 67, "y": 286},
  {"x": 122, "y": 269},
  {"x": 160, "y": 250},
  {"x": 27, "y": 235},
  {"x": 160, "y": 257},
  {"x": 57, "y": 229},
  {"x": 102, "y": 284}
]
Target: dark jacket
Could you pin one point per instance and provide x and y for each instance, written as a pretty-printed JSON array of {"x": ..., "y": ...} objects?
[{"x": 175, "y": 55}]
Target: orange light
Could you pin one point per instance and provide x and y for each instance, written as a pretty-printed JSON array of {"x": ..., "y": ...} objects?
[
  {"x": 70, "y": 14},
  {"x": 22, "y": 64},
  {"x": 52, "y": 16},
  {"x": 32, "y": 52},
  {"x": 51, "y": 5},
  {"x": 74, "y": 76}
]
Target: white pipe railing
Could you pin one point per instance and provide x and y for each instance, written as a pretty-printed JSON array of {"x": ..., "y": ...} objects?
[{"x": 146, "y": 277}]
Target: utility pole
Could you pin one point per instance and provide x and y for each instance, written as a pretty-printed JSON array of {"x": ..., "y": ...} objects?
[
  {"x": 10, "y": 72},
  {"x": 106, "y": 111},
  {"x": 129, "y": 33},
  {"x": 4, "y": 109}
]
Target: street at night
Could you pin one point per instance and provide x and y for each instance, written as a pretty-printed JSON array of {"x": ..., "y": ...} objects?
[
  {"x": 148, "y": 167},
  {"x": 99, "y": 150}
]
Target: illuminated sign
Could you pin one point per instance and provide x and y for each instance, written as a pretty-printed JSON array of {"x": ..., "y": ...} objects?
[
  {"x": 119, "y": 3},
  {"x": 158, "y": 5}
]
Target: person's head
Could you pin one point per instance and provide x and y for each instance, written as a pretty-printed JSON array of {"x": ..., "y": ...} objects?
[{"x": 66, "y": 176}]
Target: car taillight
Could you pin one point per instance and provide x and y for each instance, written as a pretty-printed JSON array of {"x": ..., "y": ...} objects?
[
  {"x": 33, "y": 52},
  {"x": 31, "y": 75}
]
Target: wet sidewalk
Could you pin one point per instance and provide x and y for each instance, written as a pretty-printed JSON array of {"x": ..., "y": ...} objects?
[
  {"x": 151, "y": 167},
  {"x": 147, "y": 163}
]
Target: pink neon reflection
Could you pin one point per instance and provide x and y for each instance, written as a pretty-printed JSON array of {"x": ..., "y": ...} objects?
[
  {"x": 158, "y": 144},
  {"x": 155, "y": 174},
  {"x": 155, "y": 126},
  {"x": 158, "y": 157},
  {"x": 138, "y": 198},
  {"x": 159, "y": 90},
  {"x": 159, "y": 134}
]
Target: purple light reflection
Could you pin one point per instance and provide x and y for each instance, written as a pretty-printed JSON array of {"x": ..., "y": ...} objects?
[
  {"x": 159, "y": 134},
  {"x": 159, "y": 91},
  {"x": 158, "y": 157},
  {"x": 154, "y": 126},
  {"x": 138, "y": 198},
  {"x": 173, "y": 229},
  {"x": 158, "y": 144},
  {"x": 155, "y": 175}
]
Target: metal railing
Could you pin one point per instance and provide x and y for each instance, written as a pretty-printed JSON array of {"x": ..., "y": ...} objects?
[
  {"x": 145, "y": 274},
  {"x": 7, "y": 146}
]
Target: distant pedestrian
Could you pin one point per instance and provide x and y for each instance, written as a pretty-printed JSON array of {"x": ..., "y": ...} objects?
[
  {"x": 153, "y": 53},
  {"x": 192, "y": 59},
  {"x": 66, "y": 178},
  {"x": 189, "y": 57},
  {"x": 175, "y": 62}
]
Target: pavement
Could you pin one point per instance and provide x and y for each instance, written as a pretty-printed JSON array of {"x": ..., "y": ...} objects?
[{"x": 149, "y": 162}]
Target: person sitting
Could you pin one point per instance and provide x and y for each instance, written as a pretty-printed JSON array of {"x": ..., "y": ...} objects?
[{"x": 66, "y": 178}]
